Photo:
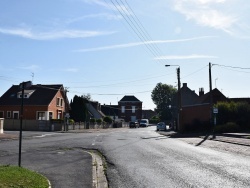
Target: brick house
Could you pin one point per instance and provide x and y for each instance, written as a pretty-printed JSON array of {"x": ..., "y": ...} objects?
[
  {"x": 130, "y": 108},
  {"x": 197, "y": 108},
  {"x": 40, "y": 102}
]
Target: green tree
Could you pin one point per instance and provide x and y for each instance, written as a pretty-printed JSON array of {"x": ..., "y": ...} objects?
[
  {"x": 107, "y": 119},
  {"x": 162, "y": 95},
  {"x": 78, "y": 109}
]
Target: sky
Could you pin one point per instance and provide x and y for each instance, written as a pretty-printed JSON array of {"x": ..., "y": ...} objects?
[{"x": 113, "y": 48}]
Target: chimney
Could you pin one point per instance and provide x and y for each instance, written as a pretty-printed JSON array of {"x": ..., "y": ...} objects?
[
  {"x": 184, "y": 85},
  {"x": 201, "y": 91}
]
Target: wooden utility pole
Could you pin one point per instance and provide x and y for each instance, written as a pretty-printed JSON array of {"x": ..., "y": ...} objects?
[{"x": 179, "y": 124}]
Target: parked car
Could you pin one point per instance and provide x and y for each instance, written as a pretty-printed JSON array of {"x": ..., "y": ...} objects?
[
  {"x": 144, "y": 123},
  {"x": 133, "y": 124},
  {"x": 161, "y": 126}
]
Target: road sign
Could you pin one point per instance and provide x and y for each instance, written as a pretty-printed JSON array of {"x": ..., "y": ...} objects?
[{"x": 215, "y": 110}]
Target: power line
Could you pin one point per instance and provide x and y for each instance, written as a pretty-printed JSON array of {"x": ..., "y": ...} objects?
[
  {"x": 137, "y": 29},
  {"x": 231, "y": 66},
  {"x": 194, "y": 72},
  {"x": 142, "y": 28}
]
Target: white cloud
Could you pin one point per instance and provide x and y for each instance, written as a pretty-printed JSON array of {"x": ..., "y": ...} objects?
[
  {"x": 71, "y": 70},
  {"x": 211, "y": 13},
  {"x": 115, "y": 5},
  {"x": 141, "y": 43},
  {"x": 101, "y": 16},
  {"x": 28, "y": 33},
  {"x": 193, "y": 56},
  {"x": 30, "y": 67}
]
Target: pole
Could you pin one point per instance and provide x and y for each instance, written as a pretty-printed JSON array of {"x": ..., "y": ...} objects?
[
  {"x": 179, "y": 100},
  {"x": 21, "y": 128},
  {"x": 211, "y": 99}
]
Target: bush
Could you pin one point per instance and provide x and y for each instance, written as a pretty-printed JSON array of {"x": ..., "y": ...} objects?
[
  {"x": 71, "y": 121},
  {"x": 226, "y": 128},
  {"x": 154, "y": 119},
  {"x": 107, "y": 119},
  {"x": 99, "y": 121},
  {"x": 92, "y": 120}
]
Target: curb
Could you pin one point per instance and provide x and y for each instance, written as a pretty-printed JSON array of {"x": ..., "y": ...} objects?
[{"x": 99, "y": 177}]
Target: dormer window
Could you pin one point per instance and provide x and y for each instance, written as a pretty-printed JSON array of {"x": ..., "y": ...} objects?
[{"x": 27, "y": 93}]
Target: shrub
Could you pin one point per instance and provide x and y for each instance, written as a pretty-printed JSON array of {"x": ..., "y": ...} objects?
[
  {"x": 226, "y": 128},
  {"x": 71, "y": 121},
  {"x": 107, "y": 119},
  {"x": 99, "y": 121},
  {"x": 92, "y": 120}
]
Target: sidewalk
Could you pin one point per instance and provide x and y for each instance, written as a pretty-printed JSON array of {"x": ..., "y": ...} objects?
[{"x": 233, "y": 138}]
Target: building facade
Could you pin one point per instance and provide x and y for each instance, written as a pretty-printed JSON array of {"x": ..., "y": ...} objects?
[{"x": 130, "y": 108}]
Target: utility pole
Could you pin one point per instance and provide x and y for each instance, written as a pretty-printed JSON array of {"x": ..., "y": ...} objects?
[
  {"x": 22, "y": 86},
  {"x": 179, "y": 99},
  {"x": 211, "y": 99},
  {"x": 21, "y": 126},
  {"x": 178, "y": 125}
]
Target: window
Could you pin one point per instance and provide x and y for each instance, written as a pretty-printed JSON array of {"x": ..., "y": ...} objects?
[
  {"x": 133, "y": 109},
  {"x": 50, "y": 115},
  {"x": 16, "y": 114},
  {"x": 8, "y": 114},
  {"x": 1, "y": 114},
  {"x": 61, "y": 102},
  {"x": 123, "y": 109},
  {"x": 41, "y": 115},
  {"x": 57, "y": 101}
]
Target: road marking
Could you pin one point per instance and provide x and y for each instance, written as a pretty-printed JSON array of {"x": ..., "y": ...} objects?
[{"x": 43, "y": 135}]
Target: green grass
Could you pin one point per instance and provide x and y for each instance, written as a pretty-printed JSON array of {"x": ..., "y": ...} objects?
[{"x": 18, "y": 177}]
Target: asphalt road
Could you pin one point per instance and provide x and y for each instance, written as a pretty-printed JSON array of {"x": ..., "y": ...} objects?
[
  {"x": 143, "y": 158},
  {"x": 136, "y": 158}
]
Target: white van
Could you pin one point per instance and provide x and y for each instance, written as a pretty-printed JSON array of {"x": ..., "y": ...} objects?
[{"x": 144, "y": 122}]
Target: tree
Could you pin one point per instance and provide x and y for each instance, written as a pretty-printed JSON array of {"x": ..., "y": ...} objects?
[
  {"x": 162, "y": 95},
  {"x": 78, "y": 109}
]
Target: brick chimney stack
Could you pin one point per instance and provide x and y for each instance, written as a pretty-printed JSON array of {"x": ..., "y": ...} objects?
[{"x": 201, "y": 91}]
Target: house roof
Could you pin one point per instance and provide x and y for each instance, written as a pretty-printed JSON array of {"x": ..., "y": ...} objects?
[
  {"x": 110, "y": 110},
  {"x": 216, "y": 96},
  {"x": 40, "y": 95},
  {"x": 129, "y": 98}
]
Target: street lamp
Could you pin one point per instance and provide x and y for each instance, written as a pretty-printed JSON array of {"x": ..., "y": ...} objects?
[{"x": 179, "y": 94}]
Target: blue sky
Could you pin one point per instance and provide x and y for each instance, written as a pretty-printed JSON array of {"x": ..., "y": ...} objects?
[{"x": 112, "y": 48}]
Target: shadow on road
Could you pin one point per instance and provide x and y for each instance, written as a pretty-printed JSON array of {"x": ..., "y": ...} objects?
[{"x": 204, "y": 139}]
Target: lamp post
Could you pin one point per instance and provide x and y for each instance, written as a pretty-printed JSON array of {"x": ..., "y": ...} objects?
[{"x": 179, "y": 96}]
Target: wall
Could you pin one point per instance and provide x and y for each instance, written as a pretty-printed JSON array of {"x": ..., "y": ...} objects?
[
  {"x": 195, "y": 112},
  {"x": 128, "y": 110},
  {"x": 31, "y": 125}
]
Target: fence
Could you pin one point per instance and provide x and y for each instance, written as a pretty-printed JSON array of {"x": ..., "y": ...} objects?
[
  {"x": 46, "y": 125},
  {"x": 103, "y": 125}
]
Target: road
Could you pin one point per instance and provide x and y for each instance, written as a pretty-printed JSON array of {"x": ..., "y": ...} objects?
[{"x": 136, "y": 158}]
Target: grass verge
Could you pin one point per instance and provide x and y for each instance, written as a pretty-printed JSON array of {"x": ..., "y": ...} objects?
[{"x": 18, "y": 177}]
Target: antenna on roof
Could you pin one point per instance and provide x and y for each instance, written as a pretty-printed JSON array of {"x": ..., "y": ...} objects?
[{"x": 32, "y": 75}]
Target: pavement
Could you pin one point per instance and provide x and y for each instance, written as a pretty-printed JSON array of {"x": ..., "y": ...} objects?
[
  {"x": 99, "y": 179},
  {"x": 232, "y": 138}
]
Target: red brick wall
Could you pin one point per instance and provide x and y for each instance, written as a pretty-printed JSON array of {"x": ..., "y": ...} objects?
[
  {"x": 190, "y": 113},
  {"x": 128, "y": 111}
]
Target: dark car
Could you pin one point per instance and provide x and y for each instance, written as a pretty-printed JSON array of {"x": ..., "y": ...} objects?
[{"x": 133, "y": 124}]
